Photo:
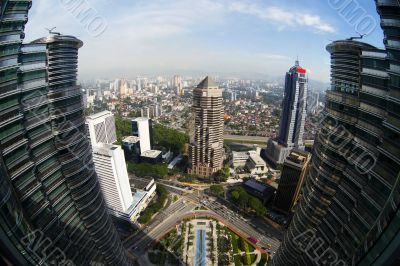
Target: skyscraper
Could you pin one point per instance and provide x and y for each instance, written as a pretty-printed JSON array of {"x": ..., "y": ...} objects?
[
  {"x": 143, "y": 128},
  {"x": 177, "y": 85},
  {"x": 206, "y": 150},
  {"x": 51, "y": 206},
  {"x": 292, "y": 179},
  {"x": 109, "y": 162},
  {"x": 101, "y": 128},
  {"x": 349, "y": 212},
  {"x": 293, "y": 116}
]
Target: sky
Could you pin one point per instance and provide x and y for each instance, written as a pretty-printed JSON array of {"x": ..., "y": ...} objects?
[{"x": 227, "y": 38}]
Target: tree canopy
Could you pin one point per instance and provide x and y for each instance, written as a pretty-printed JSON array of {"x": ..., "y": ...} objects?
[
  {"x": 170, "y": 138},
  {"x": 247, "y": 202},
  {"x": 147, "y": 169}
]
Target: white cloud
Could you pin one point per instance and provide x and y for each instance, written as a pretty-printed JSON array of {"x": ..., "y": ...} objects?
[
  {"x": 283, "y": 18},
  {"x": 164, "y": 35}
]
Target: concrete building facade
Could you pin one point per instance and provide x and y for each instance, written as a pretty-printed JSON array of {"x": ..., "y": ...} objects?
[{"x": 206, "y": 150}]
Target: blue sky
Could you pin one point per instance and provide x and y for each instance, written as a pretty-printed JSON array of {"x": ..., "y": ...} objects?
[{"x": 242, "y": 38}]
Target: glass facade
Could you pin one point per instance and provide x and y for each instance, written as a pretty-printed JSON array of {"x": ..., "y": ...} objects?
[
  {"x": 348, "y": 214},
  {"x": 52, "y": 210}
]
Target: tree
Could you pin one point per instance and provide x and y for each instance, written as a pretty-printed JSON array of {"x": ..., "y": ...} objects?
[
  {"x": 257, "y": 206},
  {"x": 146, "y": 169},
  {"x": 222, "y": 175},
  {"x": 217, "y": 190},
  {"x": 123, "y": 128},
  {"x": 170, "y": 138},
  {"x": 235, "y": 195},
  {"x": 243, "y": 200}
]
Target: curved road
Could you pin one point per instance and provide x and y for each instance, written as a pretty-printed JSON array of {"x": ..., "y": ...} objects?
[{"x": 184, "y": 208}]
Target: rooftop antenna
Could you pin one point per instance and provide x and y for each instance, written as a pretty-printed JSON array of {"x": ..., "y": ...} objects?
[
  {"x": 297, "y": 61},
  {"x": 51, "y": 31},
  {"x": 357, "y": 38}
]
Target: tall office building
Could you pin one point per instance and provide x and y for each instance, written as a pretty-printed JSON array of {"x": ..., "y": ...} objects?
[
  {"x": 206, "y": 150},
  {"x": 52, "y": 210},
  {"x": 349, "y": 212},
  {"x": 143, "y": 128},
  {"x": 101, "y": 128},
  {"x": 293, "y": 116},
  {"x": 292, "y": 180},
  {"x": 109, "y": 162}
]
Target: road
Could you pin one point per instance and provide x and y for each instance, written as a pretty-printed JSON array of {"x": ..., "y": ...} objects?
[
  {"x": 184, "y": 207},
  {"x": 138, "y": 244},
  {"x": 265, "y": 233},
  {"x": 246, "y": 138}
]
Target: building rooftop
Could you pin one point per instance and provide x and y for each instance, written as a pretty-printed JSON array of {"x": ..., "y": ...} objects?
[
  {"x": 98, "y": 115},
  {"x": 257, "y": 159},
  {"x": 255, "y": 185},
  {"x": 105, "y": 149},
  {"x": 151, "y": 153},
  {"x": 137, "y": 198},
  {"x": 297, "y": 158},
  {"x": 240, "y": 154},
  {"x": 140, "y": 119},
  {"x": 131, "y": 139},
  {"x": 207, "y": 83}
]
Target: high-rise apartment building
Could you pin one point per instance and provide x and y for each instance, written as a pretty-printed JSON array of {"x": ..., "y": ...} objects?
[
  {"x": 177, "y": 85},
  {"x": 48, "y": 187},
  {"x": 206, "y": 150},
  {"x": 293, "y": 116},
  {"x": 349, "y": 212},
  {"x": 292, "y": 179},
  {"x": 101, "y": 128},
  {"x": 151, "y": 111},
  {"x": 123, "y": 88}
]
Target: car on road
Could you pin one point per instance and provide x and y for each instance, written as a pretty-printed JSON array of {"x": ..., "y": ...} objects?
[{"x": 252, "y": 239}]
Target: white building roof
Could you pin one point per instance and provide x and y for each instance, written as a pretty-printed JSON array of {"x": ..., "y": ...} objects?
[
  {"x": 131, "y": 139},
  {"x": 151, "y": 153}
]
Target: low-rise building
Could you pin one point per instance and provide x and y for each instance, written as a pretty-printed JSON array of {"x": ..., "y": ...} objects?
[
  {"x": 151, "y": 156},
  {"x": 263, "y": 192},
  {"x": 255, "y": 164},
  {"x": 131, "y": 146},
  {"x": 144, "y": 192},
  {"x": 239, "y": 159}
]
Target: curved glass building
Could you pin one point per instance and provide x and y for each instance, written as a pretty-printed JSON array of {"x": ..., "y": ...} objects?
[
  {"x": 52, "y": 209},
  {"x": 349, "y": 211}
]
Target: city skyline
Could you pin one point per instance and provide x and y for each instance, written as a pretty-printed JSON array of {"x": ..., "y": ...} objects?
[
  {"x": 147, "y": 164},
  {"x": 246, "y": 39}
]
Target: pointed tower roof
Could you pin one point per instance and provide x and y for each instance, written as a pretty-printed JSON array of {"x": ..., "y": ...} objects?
[{"x": 207, "y": 83}]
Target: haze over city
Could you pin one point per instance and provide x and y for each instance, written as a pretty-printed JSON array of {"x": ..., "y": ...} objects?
[{"x": 245, "y": 39}]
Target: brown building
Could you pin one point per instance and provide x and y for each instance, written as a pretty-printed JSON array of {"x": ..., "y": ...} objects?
[
  {"x": 293, "y": 176},
  {"x": 206, "y": 148}
]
